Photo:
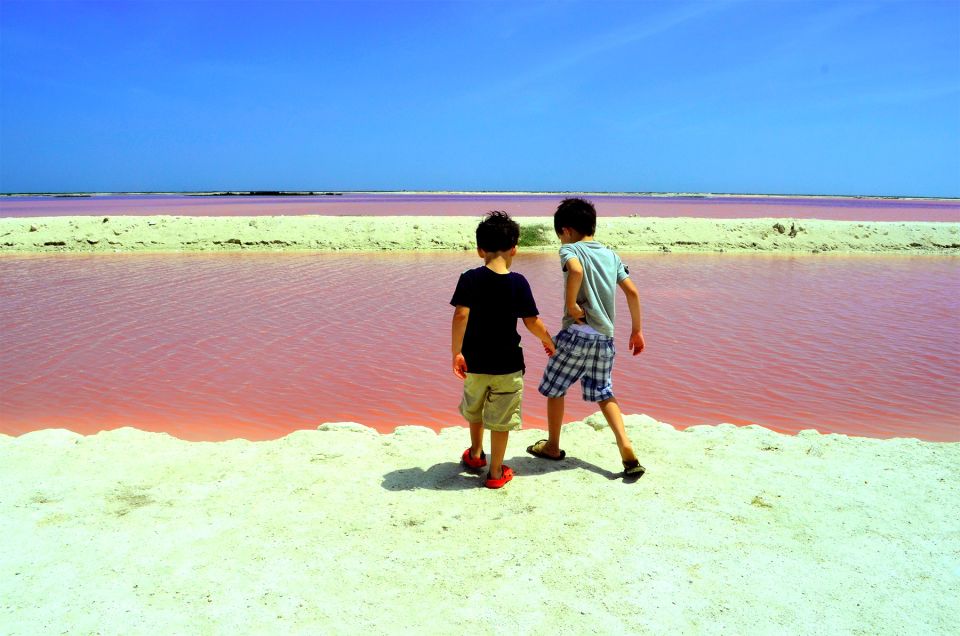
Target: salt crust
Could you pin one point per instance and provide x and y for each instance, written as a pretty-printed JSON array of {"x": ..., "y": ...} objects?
[
  {"x": 333, "y": 233},
  {"x": 342, "y": 531}
]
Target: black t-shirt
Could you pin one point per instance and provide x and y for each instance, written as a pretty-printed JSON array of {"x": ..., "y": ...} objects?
[{"x": 491, "y": 343}]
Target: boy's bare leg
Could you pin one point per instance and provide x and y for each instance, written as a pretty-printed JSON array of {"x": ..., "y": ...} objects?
[
  {"x": 498, "y": 448},
  {"x": 554, "y": 422},
  {"x": 476, "y": 439},
  {"x": 611, "y": 411}
]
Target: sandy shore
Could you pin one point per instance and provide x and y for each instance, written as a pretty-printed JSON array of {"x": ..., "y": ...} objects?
[
  {"x": 176, "y": 233},
  {"x": 341, "y": 530}
]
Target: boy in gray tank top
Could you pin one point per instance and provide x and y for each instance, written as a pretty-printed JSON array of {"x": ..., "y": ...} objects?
[{"x": 585, "y": 349}]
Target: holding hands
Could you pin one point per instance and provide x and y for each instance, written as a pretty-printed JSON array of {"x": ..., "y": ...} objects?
[{"x": 549, "y": 347}]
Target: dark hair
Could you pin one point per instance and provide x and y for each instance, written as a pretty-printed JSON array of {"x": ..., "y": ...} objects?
[
  {"x": 576, "y": 214},
  {"x": 497, "y": 232}
]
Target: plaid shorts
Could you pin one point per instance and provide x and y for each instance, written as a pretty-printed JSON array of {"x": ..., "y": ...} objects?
[{"x": 580, "y": 356}]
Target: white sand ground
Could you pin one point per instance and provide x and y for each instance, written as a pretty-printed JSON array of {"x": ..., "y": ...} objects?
[
  {"x": 344, "y": 531},
  {"x": 182, "y": 233}
]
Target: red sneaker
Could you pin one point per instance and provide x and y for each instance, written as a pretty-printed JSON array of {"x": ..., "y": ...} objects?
[
  {"x": 480, "y": 462},
  {"x": 500, "y": 483}
]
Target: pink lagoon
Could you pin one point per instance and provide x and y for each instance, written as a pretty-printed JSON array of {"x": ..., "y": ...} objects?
[
  {"x": 212, "y": 347},
  {"x": 475, "y": 204}
]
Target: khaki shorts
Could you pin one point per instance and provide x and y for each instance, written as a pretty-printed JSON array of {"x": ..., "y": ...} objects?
[{"x": 493, "y": 400}]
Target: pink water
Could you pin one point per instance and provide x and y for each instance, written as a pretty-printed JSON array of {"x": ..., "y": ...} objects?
[
  {"x": 210, "y": 347},
  {"x": 845, "y": 209}
]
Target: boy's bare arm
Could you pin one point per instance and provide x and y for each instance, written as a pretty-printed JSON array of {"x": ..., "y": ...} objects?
[
  {"x": 574, "y": 280},
  {"x": 535, "y": 326},
  {"x": 459, "y": 328},
  {"x": 636, "y": 317}
]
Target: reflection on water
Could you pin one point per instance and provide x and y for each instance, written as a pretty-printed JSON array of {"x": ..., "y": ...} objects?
[{"x": 257, "y": 345}]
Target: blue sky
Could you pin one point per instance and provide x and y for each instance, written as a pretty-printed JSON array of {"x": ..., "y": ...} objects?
[{"x": 766, "y": 97}]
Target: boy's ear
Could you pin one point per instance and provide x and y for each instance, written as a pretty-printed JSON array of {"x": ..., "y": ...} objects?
[
  {"x": 513, "y": 251},
  {"x": 481, "y": 253}
]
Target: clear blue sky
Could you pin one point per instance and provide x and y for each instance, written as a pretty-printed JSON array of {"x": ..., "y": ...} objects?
[{"x": 767, "y": 97}]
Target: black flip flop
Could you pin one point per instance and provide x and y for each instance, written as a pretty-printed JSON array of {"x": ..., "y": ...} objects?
[
  {"x": 632, "y": 468},
  {"x": 532, "y": 449}
]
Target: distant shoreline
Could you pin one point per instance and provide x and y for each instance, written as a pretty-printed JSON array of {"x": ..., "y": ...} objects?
[{"x": 492, "y": 193}]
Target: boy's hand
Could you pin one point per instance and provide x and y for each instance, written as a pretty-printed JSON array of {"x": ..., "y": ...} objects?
[
  {"x": 636, "y": 342},
  {"x": 460, "y": 366},
  {"x": 576, "y": 312},
  {"x": 549, "y": 347}
]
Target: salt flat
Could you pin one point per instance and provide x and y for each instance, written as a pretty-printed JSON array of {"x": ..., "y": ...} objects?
[{"x": 343, "y": 530}]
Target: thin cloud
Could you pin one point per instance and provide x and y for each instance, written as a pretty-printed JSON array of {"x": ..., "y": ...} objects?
[{"x": 600, "y": 45}]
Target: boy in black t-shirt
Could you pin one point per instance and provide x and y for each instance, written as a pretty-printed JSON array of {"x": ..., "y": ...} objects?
[{"x": 486, "y": 346}]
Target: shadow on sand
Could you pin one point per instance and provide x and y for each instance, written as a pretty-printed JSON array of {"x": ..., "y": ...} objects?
[{"x": 456, "y": 476}]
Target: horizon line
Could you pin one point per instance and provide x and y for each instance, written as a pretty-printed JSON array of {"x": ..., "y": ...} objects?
[{"x": 81, "y": 193}]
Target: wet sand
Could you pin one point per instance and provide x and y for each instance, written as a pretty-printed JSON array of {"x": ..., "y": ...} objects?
[
  {"x": 341, "y": 530},
  {"x": 325, "y": 233}
]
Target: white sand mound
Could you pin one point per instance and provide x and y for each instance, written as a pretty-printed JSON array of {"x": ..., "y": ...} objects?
[
  {"x": 732, "y": 530},
  {"x": 331, "y": 233}
]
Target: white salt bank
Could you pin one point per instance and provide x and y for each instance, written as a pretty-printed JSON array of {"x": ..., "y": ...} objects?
[{"x": 342, "y": 530}]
